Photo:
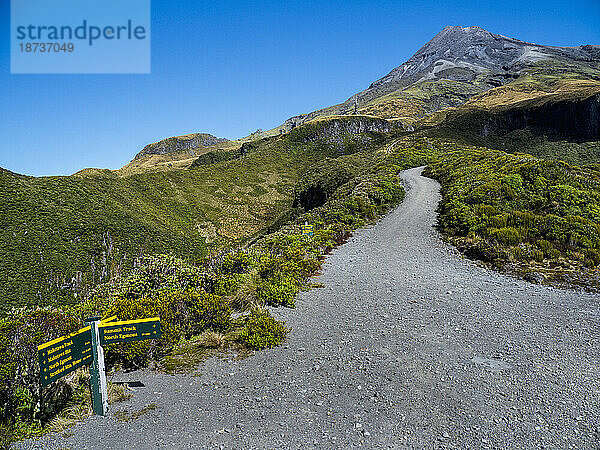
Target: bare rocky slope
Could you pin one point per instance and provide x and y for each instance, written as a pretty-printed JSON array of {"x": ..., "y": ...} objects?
[
  {"x": 406, "y": 346},
  {"x": 464, "y": 54}
]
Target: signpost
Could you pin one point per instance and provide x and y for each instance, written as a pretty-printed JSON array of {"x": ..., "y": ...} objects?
[
  {"x": 307, "y": 229},
  {"x": 63, "y": 355}
]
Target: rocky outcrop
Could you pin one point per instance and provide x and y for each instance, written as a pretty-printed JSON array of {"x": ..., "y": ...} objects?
[
  {"x": 573, "y": 117},
  {"x": 179, "y": 143},
  {"x": 568, "y": 119},
  {"x": 335, "y": 128}
]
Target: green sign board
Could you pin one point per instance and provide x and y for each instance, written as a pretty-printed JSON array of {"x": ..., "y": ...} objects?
[
  {"x": 65, "y": 354},
  {"x": 129, "y": 330}
]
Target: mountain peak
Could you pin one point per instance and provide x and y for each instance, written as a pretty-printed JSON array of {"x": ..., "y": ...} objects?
[
  {"x": 466, "y": 53},
  {"x": 458, "y": 32},
  {"x": 457, "y": 28}
]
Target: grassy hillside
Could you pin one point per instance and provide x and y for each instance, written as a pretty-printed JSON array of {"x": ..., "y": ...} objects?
[
  {"x": 217, "y": 306},
  {"x": 60, "y": 235},
  {"x": 415, "y": 102},
  {"x": 422, "y": 98},
  {"x": 181, "y": 159}
]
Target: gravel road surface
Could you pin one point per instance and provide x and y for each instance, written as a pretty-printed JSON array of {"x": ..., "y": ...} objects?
[{"x": 408, "y": 345}]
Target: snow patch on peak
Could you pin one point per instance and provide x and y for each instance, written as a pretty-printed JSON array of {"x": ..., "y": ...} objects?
[{"x": 533, "y": 54}]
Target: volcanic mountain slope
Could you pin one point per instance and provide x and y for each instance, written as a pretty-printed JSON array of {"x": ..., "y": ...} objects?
[
  {"x": 457, "y": 64},
  {"x": 61, "y": 235}
]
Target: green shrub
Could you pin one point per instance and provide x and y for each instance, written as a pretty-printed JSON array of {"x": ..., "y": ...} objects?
[
  {"x": 7, "y": 436},
  {"x": 506, "y": 236},
  {"x": 278, "y": 291},
  {"x": 488, "y": 210},
  {"x": 159, "y": 272},
  {"x": 513, "y": 185},
  {"x": 236, "y": 262},
  {"x": 546, "y": 247},
  {"x": 459, "y": 219},
  {"x": 592, "y": 258},
  {"x": 517, "y": 199},
  {"x": 226, "y": 283},
  {"x": 182, "y": 315},
  {"x": 497, "y": 221},
  {"x": 21, "y": 397},
  {"x": 209, "y": 312},
  {"x": 516, "y": 253},
  {"x": 536, "y": 255},
  {"x": 261, "y": 330},
  {"x": 169, "y": 306}
]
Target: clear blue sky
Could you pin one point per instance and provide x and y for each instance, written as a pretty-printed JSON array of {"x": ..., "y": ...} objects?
[{"x": 230, "y": 67}]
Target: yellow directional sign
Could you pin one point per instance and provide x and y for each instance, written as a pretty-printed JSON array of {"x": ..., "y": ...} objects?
[
  {"x": 307, "y": 229},
  {"x": 63, "y": 355},
  {"x": 129, "y": 330}
]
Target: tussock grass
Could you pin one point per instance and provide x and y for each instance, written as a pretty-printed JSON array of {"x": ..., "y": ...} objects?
[
  {"x": 211, "y": 339},
  {"x": 117, "y": 393},
  {"x": 81, "y": 405}
]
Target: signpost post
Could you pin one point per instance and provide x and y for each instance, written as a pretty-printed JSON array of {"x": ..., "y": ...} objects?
[
  {"x": 63, "y": 355},
  {"x": 98, "y": 371}
]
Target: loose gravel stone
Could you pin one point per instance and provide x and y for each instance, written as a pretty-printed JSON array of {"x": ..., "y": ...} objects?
[{"x": 455, "y": 355}]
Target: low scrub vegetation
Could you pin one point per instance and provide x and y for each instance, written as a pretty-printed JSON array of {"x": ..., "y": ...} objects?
[
  {"x": 512, "y": 210},
  {"x": 520, "y": 212}
]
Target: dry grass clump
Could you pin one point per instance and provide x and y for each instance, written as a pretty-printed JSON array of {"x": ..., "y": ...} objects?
[
  {"x": 125, "y": 416},
  {"x": 211, "y": 339},
  {"x": 117, "y": 393},
  {"x": 244, "y": 299}
]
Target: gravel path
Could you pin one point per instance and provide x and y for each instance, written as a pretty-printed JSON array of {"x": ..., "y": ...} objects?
[{"x": 407, "y": 346}]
